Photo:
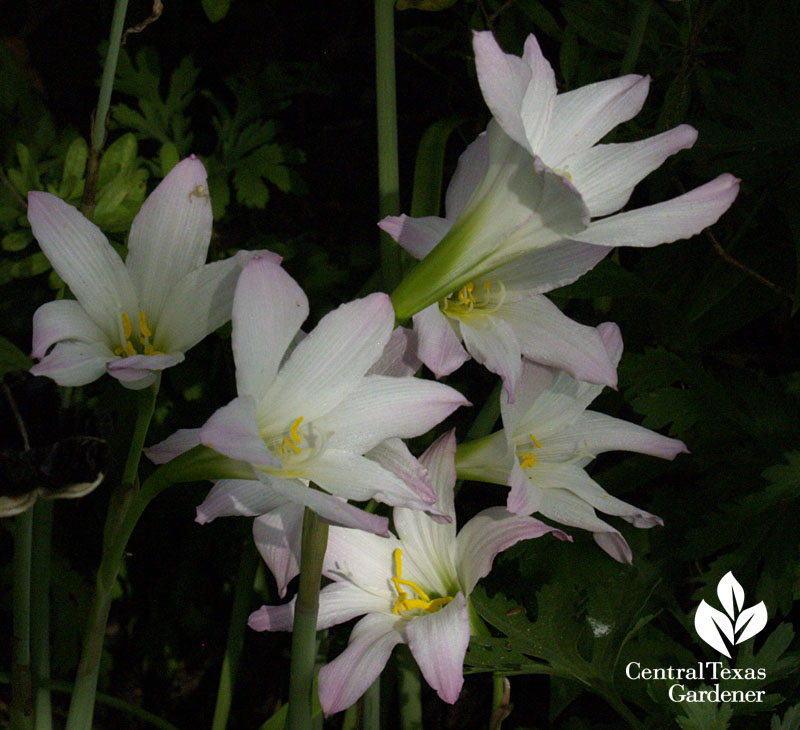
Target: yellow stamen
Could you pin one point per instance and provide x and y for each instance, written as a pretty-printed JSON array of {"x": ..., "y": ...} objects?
[
  {"x": 295, "y": 430},
  {"x": 288, "y": 443},
  {"x": 129, "y": 349},
  {"x": 535, "y": 441},
  {"x": 527, "y": 461},
  {"x": 143, "y": 328},
  {"x": 403, "y": 602},
  {"x": 126, "y": 325}
]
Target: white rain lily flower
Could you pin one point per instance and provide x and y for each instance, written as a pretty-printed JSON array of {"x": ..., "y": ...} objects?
[
  {"x": 410, "y": 589},
  {"x": 136, "y": 318},
  {"x": 529, "y": 189},
  {"x": 547, "y": 440},
  {"x": 314, "y": 414}
]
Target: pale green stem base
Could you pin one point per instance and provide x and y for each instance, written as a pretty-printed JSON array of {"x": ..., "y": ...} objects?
[
  {"x": 40, "y": 613},
  {"x": 304, "y": 631},
  {"x": 21, "y": 687}
]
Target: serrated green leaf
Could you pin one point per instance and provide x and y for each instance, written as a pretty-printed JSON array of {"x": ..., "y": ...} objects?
[
  {"x": 12, "y": 358},
  {"x": 791, "y": 720},
  {"x": 705, "y": 715},
  {"x": 497, "y": 654},
  {"x": 119, "y": 158},
  {"x": 216, "y": 10}
]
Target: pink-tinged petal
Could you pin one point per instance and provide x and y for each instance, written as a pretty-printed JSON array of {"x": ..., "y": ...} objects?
[
  {"x": 418, "y": 236},
  {"x": 584, "y": 116},
  {"x": 180, "y": 442},
  {"x": 338, "y": 602},
  {"x": 681, "y": 217},
  {"x": 489, "y": 533},
  {"x": 549, "y": 337},
  {"x": 362, "y": 559},
  {"x": 564, "y": 507},
  {"x": 495, "y": 346},
  {"x": 393, "y": 454},
  {"x": 170, "y": 234},
  {"x": 268, "y": 309},
  {"x": 399, "y": 358},
  {"x": 427, "y": 544},
  {"x": 64, "y": 319},
  {"x": 439, "y": 643},
  {"x": 82, "y": 256},
  {"x": 233, "y": 431},
  {"x": 351, "y": 476},
  {"x": 277, "y": 536},
  {"x": 532, "y": 405},
  {"x": 238, "y": 498},
  {"x": 471, "y": 167},
  {"x": 596, "y": 433},
  {"x": 382, "y": 407},
  {"x": 439, "y": 346},
  {"x": 346, "y": 678},
  {"x": 138, "y": 371},
  {"x": 328, "y": 365},
  {"x": 524, "y": 498},
  {"x": 537, "y": 103},
  {"x": 331, "y": 509},
  {"x": 607, "y": 173},
  {"x": 74, "y": 363},
  {"x": 201, "y": 302}
]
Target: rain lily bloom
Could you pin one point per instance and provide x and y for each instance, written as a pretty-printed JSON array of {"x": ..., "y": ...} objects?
[
  {"x": 532, "y": 192},
  {"x": 313, "y": 412},
  {"x": 411, "y": 589},
  {"x": 136, "y": 318},
  {"x": 547, "y": 440}
]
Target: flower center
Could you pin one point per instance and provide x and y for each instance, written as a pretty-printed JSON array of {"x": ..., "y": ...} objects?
[
  {"x": 294, "y": 447},
  {"x": 472, "y": 301},
  {"x": 404, "y": 601},
  {"x": 528, "y": 459},
  {"x": 128, "y": 349}
]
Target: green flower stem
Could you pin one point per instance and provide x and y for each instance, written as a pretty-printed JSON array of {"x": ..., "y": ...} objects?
[
  {"x": 388, "y": 166},
  {"x": 409, "y": 687},
  {"x": 40, "y": 612},
  {"x": 304, "y": 632},
  {"x": 371, "y": 719},
  {"x": 121, "y": 505},
  {"x": 248, "y": 565},
  {"x": 21, "y": 688},
  {"x": 103, "y": 104}
]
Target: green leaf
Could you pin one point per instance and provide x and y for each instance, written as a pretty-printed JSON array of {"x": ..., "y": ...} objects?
[
  {"x": 167, "y": 157},
  {"x": 216, "y": 10},
  {"x": 429, "y": 168},
  {"x": 791, "y": 720},
  {"x": 705, "y": 715},
  {"x": 74, "y": 168},
  {"x": 119, "y": 157},
  {"x": 16, "y": 240},
  {"x": 12, "y": 358}
]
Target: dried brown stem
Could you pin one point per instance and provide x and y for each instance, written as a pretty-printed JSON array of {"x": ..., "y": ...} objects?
[{"x": 158, "y": 8}]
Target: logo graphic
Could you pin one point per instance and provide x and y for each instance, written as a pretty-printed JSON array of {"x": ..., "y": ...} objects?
[{"x": 721, "y": 631}]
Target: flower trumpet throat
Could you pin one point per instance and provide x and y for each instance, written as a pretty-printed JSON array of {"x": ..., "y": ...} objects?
[
  {"x": 472, "y": 300},
  {"x": 404, "y": 602},
  {"x": 145, "y": 334}
]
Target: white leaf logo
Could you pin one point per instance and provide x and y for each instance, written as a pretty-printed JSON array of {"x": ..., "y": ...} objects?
[{"x": 714, "y": 627}]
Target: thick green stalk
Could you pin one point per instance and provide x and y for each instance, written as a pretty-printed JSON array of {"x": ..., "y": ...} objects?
[
  {"x": 103, "y": 104},
  {"x": 409, "y": 688},
  {"x": 81, "y": 708},
  {"x": 40, "y": 612},
  {"x": 21, "y": 688},
  {"x": 248, "y": 565},
  {"x": 371, "y": 719},
  {"x": 388, "y": 166},
  {"x": 304, "y": 631}
]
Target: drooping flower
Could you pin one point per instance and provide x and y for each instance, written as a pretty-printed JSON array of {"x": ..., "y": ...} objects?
[
  {"x": 412, "y": 588},
  {"x": 547, "y": 440},
  {"x": 529, "y": 188},
  {"x": 312, "y": 412},
  {"x": 136, "y": 318}
]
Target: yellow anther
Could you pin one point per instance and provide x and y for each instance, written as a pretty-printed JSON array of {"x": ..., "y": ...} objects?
[
  {"x": 143, "y": 328},
  {"x": 288, "y": 443},
  {"x": 130, "y": 349},
  {"x": 403, "y": 602},
  {"x": 487, "y": 285},
  {"x": 295, "y": 430},
  {"x": 127, "y": 330},
  {"x": 527, "y": 461},
  {"x": 535, "y": 441}
]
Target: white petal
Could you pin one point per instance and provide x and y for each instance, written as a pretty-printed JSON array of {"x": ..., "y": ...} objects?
[
  {"x": 233, "y": 431},
  {"x": 82, "y": 256},
  {"x": 170, "y": 234},
  {"x": 439, "y": 643},
  {"x": 382, "y": 407},
  {"x": 524, "y": 498},
  {"x": 64, "y": 319},
  {"x": 74, "y": 363},
  {"x": 200, "y": 303},
  {"x": 525, "y": 411},
  {"x": 495, "y": 346},
  {"x": 681, "y": 217},
  {"x": 138, "y": 371},
  {"x": 418, "y": 236},
  {"x": 355, "y": 477},
  {"x": 549, "y": 337},
  {"x": 399, "y": 357},
  {"x": 584, "y": 116},
  {"x": 471, "y": 168},
  {"x": 361, "y": 558},
  {"x": 346, "y": 678},
  {"x": 489, "y": 533},
  {"x": 393, "y": 454},
  {"x": 439, "y": 346},
  {"x": 277, "y": 536},
  {"x": 329, "y": 363},
  {"x": 607, "y": 173},
  {"x": 180, "y": 442},
  {"x": 268, "y": 309},
  {"x": 237, "y": 497}
]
